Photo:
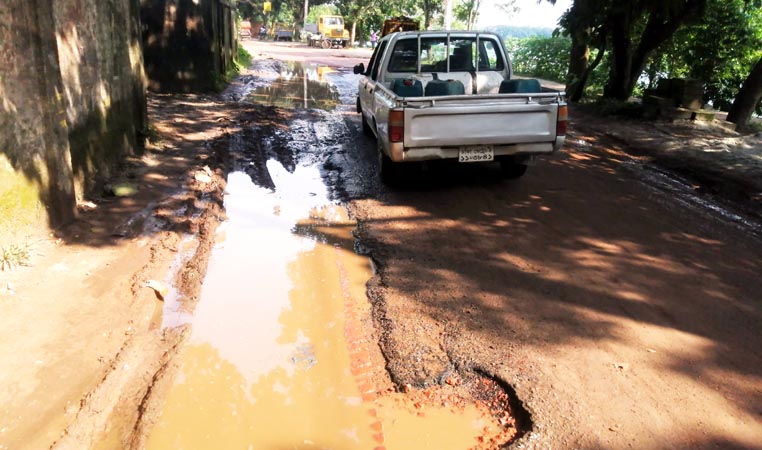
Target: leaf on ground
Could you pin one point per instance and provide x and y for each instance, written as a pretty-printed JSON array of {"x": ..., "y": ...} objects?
[{"x": 159, "y": 288}]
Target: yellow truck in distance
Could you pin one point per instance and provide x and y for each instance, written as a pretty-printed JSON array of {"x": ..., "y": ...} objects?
[{"x": 328, "y": 32}]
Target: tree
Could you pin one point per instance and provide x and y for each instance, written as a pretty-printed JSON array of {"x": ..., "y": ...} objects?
[
  {"x": 748, "y": 97},
  {"x": 356, "y": 12},
  {"x": 467, "y": 12},
  {"x": 585, "y": 24},
  {"x": 447, "y": 14},
  {"x": 658, "y": 20},
  {"x": 632, "y": 30},
  {"x": 430, "y": 8},
  {"x": 720, "y": 48}
]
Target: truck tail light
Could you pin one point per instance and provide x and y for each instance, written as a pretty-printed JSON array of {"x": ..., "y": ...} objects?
[
  {"x": 396, "y": 125},
  {"x": 563, "y": 118}
]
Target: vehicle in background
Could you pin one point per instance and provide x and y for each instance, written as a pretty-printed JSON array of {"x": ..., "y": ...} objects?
[
  {"x": 244, "y": 30},
  {"x": 328, "y": 32},
  {"x": 282, "y": 32},
  {"x": 400, "y": 23},
  {"x": 430, "y": 95}
]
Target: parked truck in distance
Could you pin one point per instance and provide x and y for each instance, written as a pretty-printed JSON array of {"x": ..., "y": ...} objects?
[
  {"x": 429, "y": 95},
  {"x": 282, "y": 32},
  {"x": 328, "y": 32}
]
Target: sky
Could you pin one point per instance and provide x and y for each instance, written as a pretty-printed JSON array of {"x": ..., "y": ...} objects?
[{"x": 531, "y": 13}]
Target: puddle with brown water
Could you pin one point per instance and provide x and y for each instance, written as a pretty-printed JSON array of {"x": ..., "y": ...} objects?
[
  {"x": 277, "y": 357},
  {"x": 298, "y": 85}
]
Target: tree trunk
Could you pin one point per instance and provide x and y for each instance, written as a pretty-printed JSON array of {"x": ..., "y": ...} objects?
[
  {"x": 427, "y": 13},
  {"x": 748, "y": 97},
  {"x": 578, "y": 62},
  {"x": 628, "y": 64},
  {"x": 447, "y": 14},
  {"x": 352, "y": 34},
  {"x": 619, "y": 76},
  {"x": 659, "y": 29},
  {"x": 580, "y": 89}
]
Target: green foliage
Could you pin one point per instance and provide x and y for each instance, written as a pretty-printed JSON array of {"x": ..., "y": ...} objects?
[
  {"x": 321, "y": 10},
  {"x": 720, "y": 49},
  {"x": 542, "y": 57},
  {"x": 243, "y": 59},
  {"x": 370, "y": 14}
]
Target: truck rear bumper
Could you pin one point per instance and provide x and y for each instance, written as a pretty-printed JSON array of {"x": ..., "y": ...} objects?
[{"x": 398, "y": 153}]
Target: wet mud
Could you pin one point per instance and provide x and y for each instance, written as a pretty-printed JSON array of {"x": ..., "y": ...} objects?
[
  {"x": 296, "y": 86},
  {"x": 284, "y": 350}
]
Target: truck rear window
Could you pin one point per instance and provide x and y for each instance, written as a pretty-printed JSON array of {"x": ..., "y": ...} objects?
[{"x": 463, "y": 55}]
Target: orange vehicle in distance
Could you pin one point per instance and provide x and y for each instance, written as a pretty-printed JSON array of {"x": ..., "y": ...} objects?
[{"x": 400, "y": 23}]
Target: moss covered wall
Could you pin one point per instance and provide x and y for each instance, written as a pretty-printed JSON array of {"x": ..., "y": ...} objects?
[
  {"x": 72, "y": 102},
  {"x": 101, "y": 64},
  {"x": 34, "y": 139}
]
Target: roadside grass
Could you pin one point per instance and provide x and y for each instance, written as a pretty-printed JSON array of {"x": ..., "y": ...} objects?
[
  {"x": 14, "y": 255},
  {"x": 242, "y": 60}
]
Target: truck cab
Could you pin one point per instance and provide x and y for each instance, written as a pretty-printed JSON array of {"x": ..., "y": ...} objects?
[{"x": 328, "y": 32}]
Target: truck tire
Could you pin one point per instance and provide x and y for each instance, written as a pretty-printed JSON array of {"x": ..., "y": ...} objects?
[
  {"x": 326, "y": 44},
  {"x": 512, "y": 170},
  {"x": 388, "y": 170},
  {"x": 366, "y": 129}
]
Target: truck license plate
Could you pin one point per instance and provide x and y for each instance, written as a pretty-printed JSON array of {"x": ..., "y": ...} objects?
[{"x": 476, "y": 153}]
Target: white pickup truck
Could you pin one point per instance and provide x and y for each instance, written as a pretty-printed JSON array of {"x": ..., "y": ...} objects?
[{"x": 429, "y": 95}]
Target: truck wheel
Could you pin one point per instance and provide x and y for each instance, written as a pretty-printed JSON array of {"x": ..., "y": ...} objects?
[
  {"x": 512, "y": 170},
  {"x": 326, "y": 44},
  {"x": 388, "y": 170},
  {"x": 366, "y": 129}
]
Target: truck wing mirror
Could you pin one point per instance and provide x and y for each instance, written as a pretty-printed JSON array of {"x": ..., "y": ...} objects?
[{"x": 360, "y": 68}]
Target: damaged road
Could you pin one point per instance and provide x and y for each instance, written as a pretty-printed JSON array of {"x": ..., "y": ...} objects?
[
  {"x": 620, "y": 307},
  {"x": 585, "y": 305}
]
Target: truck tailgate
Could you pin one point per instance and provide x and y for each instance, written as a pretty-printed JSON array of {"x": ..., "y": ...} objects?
[{"x": 457, "y": 125}]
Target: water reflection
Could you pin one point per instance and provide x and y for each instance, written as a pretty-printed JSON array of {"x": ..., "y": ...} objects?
[
  {"x": 266, "y": 362},
  {"x": 267, "y": 365},
  {"x": 299, "y": 85}
]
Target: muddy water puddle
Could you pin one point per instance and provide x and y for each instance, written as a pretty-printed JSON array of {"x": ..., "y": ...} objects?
[
  {"x": 280, "y": 355},
  {"x": 298, "y": 85}
]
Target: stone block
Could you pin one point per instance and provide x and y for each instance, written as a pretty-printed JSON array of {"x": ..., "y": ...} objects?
[{"x": 704, "y": 115}]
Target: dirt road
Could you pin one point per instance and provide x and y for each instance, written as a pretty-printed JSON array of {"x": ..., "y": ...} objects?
[
  {"x": 612, "y": 306},
  {"x": 622, "y": 310},
  {"x": 623, "y": 315}
]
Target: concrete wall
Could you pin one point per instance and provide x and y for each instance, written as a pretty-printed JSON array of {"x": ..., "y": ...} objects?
[
  {"x": 189, "y": 45},
  {"x": 72, "y": 103}
]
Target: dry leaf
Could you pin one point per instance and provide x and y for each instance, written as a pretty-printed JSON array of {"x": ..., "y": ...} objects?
[{"x": 159, "y": 288}]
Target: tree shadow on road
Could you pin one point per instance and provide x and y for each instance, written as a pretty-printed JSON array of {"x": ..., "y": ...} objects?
[{"x": 581, "y": 253}]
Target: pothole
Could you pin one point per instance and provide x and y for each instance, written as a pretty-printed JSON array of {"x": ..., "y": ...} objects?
[{"x": 283, "y": 352}]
